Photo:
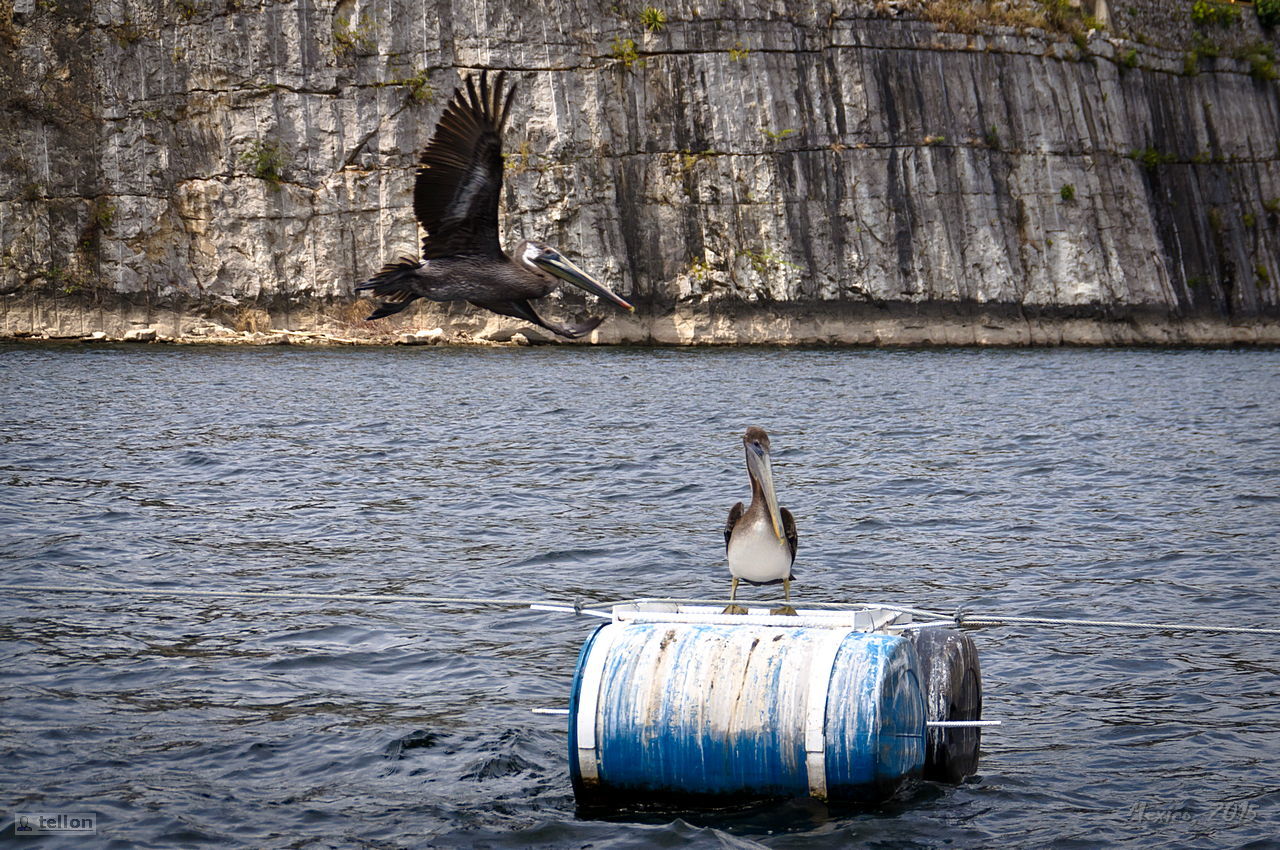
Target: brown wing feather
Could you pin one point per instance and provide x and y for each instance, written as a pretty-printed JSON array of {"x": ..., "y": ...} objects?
[
  {"x": 735, "y": 514},
  {"x": 789, "y": 529},
  {"x": 456, "y": 193}
]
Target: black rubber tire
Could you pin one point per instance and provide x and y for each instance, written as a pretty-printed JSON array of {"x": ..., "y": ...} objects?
[{"x": 952, "y": 682}]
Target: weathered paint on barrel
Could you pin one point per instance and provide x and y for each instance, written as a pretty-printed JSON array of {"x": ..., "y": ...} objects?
[{"x": 691, "y": 710}]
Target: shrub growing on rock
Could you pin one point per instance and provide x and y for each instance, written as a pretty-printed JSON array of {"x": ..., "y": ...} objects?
[
  {"x": 1268, "y": 12},
  {"x": 1211, "y": 13}
]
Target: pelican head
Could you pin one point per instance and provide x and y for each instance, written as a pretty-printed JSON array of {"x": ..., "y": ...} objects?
[
  {"x": 760, "y": 469},
  {"x": 543, "y": 259}
]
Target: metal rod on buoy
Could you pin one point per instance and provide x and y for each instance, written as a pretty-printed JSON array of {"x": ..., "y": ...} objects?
[{"x": 571, "y": 609}]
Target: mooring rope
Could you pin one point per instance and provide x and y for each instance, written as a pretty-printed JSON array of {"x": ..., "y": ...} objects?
[
  {"x": 185, "y": 593},
  {"x": 593, "y": 608}
]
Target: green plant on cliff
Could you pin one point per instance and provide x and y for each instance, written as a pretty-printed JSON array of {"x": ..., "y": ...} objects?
[
  {"x": 265, "y": 160},
  {"x": 1068, "y": 18},
  {"x": 624, "y": 51},
  {"x": 419, "y": 86},
  {"x": 1129, "y": 59},
  {"x": 1204, "y": 46},
  {"x": 1151, "y": 157},
  {"x": 763, "y": 261},
  {"x": 1216, "y": 223},
  {"x": 687, "y": 160},
  {"x": 102, "y": 214},
  {"x": 1067, "y": 192},
  {"x": 1261, "y": 58},
  {"x": 1205, "y": 13},
  {"x": 653, "y": 18},
  {"x": 521, "y": 159},
  {"x": 777, "y": 135},
  {"x": 699, "y": 270},
  {"x": 1268, "y": 12},
  {"x": 65, "y": 280},
  {"x": 1261, "y": 276},
  {"x": 354, "y": 37},
  {"x": 1272, "y": 206},
  {"x": 737, "y": 53},
  {"x": 970, "y": 16}
]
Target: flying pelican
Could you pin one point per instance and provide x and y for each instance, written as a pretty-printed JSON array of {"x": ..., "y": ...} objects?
[
  {"x": 760, "y": 540},
  {"x": 455, "y": 198}
]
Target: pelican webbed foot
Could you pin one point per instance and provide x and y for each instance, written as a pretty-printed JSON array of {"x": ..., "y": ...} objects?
[
  {"x": 522, "y": 309},
  {"x": 579, "y": 330},
  {"x": 784, "y": 610},
  {"x": 734, "y": 608}
]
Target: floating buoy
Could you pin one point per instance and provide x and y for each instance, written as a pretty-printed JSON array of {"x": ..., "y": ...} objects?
[
  {"x": 952, "y": 681},
  {"x": 687, "y": 706}
]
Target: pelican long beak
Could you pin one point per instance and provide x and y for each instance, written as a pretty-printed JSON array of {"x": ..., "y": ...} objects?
[
  {"x": 555, "y": 263},
  {"x": 761, "y": 469}
]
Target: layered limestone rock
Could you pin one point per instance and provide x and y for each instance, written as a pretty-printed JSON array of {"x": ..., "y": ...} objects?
[{"x": 742, "y": 170}]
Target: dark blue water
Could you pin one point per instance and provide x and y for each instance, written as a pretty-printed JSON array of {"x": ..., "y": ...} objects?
[{"x": 1112, "y": 484}]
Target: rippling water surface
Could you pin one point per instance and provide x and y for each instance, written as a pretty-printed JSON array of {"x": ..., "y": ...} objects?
[{"x": 1105, "y": 484}]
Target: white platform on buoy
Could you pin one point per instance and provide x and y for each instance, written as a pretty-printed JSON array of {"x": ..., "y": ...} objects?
[{"x": 855, "y": 617}]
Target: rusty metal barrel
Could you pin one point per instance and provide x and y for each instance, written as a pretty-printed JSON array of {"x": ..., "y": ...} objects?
[{"x": 693, "y": 712}]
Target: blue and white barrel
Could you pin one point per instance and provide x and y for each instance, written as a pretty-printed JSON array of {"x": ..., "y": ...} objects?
[{"x": 696, "y": 712}]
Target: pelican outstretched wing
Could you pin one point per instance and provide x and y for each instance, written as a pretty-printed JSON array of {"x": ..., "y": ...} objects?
[{"x": 456, "y": 193}]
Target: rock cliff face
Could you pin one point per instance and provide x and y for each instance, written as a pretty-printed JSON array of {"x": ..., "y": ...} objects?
[{"x": 745, "y": 171}]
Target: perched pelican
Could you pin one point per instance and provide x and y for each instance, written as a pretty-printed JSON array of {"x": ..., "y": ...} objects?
[
  {"x": 456, "y": 200},
  {"x": 760, "y": 540}
]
